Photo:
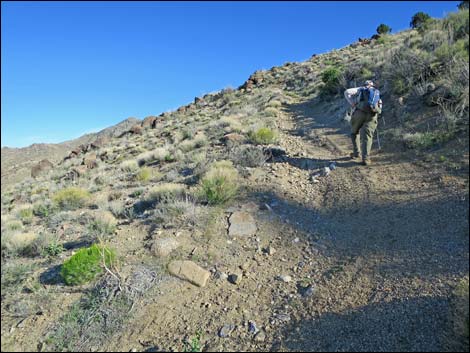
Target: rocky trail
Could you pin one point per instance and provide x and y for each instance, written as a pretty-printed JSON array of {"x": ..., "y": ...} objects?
[{"x": 357, "y": 258}]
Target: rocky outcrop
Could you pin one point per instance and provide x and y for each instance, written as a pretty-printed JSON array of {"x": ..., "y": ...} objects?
[{"x": 41, "y": 168}]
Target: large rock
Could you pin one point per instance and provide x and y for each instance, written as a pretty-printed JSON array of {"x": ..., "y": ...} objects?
[
  {"x": 233, "y": 138},
  {"x": 189, "y": 271},
  {"x": 42, "y": 167},
  {"x": 163, "y": 247},
  {"x": 136, "y": 130},
  {"x": 149, "y": 122},
  {"x": 90, "y": 161},
  {"x": 241, "y": 224}
]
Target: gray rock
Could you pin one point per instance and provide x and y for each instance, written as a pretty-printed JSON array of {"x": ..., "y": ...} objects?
[
  {"x": 241, "y": 224},
  {"x": 163, "y": 247},
  {"x": 235, "y": 278},
  {"x": 285, "y": 278},
  {"x": 226, "y": 330},
  {"x": 270, "y": 250},
  {"x": 252, "y": 327}
]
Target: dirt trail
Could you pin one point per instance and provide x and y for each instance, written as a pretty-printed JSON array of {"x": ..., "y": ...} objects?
[
  {"x": 399, "y": 236},
  {"x": 381, "y": 248}
]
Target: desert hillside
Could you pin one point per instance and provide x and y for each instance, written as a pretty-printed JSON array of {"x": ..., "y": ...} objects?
[{"x": 239, "y": 223}]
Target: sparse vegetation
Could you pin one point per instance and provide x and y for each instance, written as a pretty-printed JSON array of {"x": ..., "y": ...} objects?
[{"x": 166, "y": 191}]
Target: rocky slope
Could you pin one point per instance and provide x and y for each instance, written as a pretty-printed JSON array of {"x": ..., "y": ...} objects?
[{"x": 312, "y": 252}]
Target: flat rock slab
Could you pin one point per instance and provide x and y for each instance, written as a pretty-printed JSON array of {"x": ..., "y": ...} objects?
[
  {"x": 189, "y": 271},
  {"x": 241, "y": 224}
]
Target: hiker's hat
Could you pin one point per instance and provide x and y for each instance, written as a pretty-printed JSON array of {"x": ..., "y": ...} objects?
[{"x": 369, "y": 82}]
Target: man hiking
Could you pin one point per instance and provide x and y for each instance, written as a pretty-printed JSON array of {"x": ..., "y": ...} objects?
[{"x": 366, "y": 105}]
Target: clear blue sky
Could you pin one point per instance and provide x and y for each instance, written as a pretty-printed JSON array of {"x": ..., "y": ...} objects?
[{"x": 69, "y": 68}]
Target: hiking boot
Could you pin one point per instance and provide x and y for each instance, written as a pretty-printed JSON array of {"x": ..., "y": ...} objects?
[
  {"x": 353, "y": 155},
  {"x": 366, "y": 161}
]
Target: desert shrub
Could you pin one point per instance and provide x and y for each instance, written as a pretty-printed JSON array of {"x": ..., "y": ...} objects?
[
  {"x": 43, "y": 209},
  {"x": 220, "y": 183},
  {"x": 425, "y": 140},
  {"x": 383, "y": 29},
  {"x": 28, "y": 244},
  {"x": 263, "y": 136},
  {"x": 166, "y": 191},
  {"x": 248, "y": 156},
  {"x": 144, "y": 174},
  {"x": 86, "y": 264},
  {"x": 419, "y": 20},
  {"x": 457, "y": 23},
  {"x": 103, "y": 223},
  {"x": 458, "y": 50},
  {"x": 26, "y": 215},
  {"x": 330, "y": 77},
  {"x": 183, "y": 210},
  {"x": 130, "y": 166},
  {"x": 459, "y": 316},
  {"x": 384, "y": 39},
  {"x": 53, "y": 249},
  {"x": 71, "y": 198},
  {"x": 14, "y": 225},
  {"x": 271, "y": 111}
]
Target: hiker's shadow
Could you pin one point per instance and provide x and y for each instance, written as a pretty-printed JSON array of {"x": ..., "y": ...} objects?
[{"x": 306, "y": 163}]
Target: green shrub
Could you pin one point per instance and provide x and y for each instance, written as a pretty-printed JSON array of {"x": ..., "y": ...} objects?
[
  {"x": 71, "y": 198},
  {"x": 419, "y": 19},
  {"x": 53, "y": 249},
  {"x": 144, "y": 174},
  {"x": 330, "y": 77},
  {"x": 26, "y": 215},
  {"x": 220, "y": 183},
  {"x": 43, "y": 209},
  {"x": 383, "y": 29},
  {"x": 263, "y": 136},
  {"x": 166, "y": 191},
  {"x": 384, "y": 39},
  {"x": 86, "y": 264}
]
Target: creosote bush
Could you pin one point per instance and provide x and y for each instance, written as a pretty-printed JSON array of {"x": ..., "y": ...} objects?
[
  {"x": 263, "y": 136},
  {"x": 71, "y": 198},
  {"x": 220, "y": 183},
  {"x": 86, "y": 264}
]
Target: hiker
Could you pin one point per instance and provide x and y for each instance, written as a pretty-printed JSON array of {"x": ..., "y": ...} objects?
[{"x": 366, "y": 105}]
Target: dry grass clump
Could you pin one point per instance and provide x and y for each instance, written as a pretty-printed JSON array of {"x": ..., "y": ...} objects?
[
  {"x": 166, "y": 191},
  {"x": 71, "y": 198},
  {"x": 130, "y": 166},
  {"x": 220, "y": 183}
]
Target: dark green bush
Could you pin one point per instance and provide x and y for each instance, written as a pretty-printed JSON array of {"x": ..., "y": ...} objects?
[
  {"x": 383, "y": 29},
  {"x": 419, "y": 19},
  {"x": 86, "y": 264},
  {"x": 330, "y": 77}
]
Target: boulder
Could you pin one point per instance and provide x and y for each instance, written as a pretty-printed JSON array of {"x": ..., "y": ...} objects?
[
  {"x": 136, "y": 130},
  {"x": 40, "y": 168},
  {"x": 233, "y": 138},
  {"x": 90, "y": 161},
  {"x": 189, "y": 271},
  {"x": 99, "y": 142},
  {"x": 149, "y": 122}
]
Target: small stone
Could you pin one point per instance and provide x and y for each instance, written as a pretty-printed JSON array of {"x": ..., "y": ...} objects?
[
  {"x": 252, "y": 327},
  {"x": 296, "y": 240},
  {"x": 235, "y": 278},
  {"x": 270, "y": 250},
  {"x": 285, "y": 278},
  {"x": 226, "y": 330},
  {"x": 260, "y": 336}
]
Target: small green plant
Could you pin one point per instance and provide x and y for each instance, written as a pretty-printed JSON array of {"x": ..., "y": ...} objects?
[
  {"x": 86, "y": 264},
  {"x": 220, "y": 183},
  {"x": 330, "y": 77},
  {"x": 53, "y": 249},
  {"x": 195, "y": 345},
  {"x": 263, "y": 136},
  {"x": 144, "y": 174},
  {"x": 71, "y": 198}
]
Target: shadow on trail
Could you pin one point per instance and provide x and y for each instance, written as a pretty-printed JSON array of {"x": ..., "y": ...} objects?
[
  {"x": 399, "y": 325},
  {"x": 421, "y": 238}
]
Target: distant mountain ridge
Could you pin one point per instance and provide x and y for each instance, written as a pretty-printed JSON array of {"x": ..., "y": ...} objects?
[{"x": 17, "y": 162}]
